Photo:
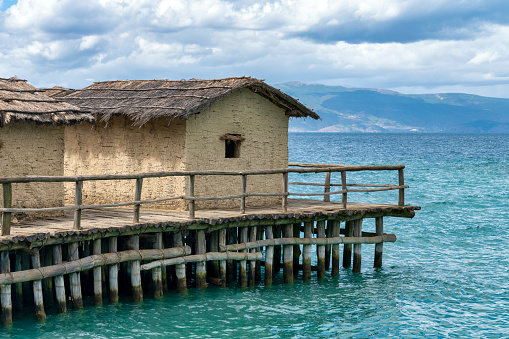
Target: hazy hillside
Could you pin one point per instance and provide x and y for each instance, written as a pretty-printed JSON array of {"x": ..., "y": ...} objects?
[{"x": 373, "y": 110}]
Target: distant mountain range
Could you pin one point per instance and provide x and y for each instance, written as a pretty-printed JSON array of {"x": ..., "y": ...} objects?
[{"x": 375, "y": 110}]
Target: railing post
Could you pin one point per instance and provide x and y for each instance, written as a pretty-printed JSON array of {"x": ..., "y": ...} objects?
[
  {"x": 137, "y": 197},
  {"x": 326, "y": 197},
  {"x": 343, "y": 188},
  {"x": 285, "y": 191},
  {"x": 77, "y": 202},
  {"x": 191, "y": 196},
  {"x": 243, "y": 199},
  {"x": 6, "y": 218},
  {"x": 401, "y": 177}
]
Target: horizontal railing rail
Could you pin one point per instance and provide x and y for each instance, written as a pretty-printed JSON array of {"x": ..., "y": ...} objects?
[{"x": 191, "y": 198}]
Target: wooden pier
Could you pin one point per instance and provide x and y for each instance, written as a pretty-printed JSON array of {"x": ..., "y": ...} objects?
[{"x": 101, "y": 251}]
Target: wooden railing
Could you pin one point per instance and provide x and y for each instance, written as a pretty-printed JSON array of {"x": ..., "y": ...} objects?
[{"x": 7, "y": 209}]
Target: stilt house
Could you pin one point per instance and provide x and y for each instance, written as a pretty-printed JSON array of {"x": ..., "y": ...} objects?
[
  {"x": 162, "y": 125},
  {"x": 32, "y": 140}
]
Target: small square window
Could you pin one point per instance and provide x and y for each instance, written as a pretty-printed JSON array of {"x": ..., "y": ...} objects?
[{"x": 232, "y": 145}]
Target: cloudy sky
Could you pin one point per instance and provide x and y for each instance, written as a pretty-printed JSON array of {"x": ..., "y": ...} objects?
[{"x": 412, "y": 46}]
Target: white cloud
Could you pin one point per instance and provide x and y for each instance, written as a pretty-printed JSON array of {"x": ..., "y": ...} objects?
[{"x": 68, "y": 43}]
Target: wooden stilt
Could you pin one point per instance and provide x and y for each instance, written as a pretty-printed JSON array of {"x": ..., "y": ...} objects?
[
  {"x": 379, "y": 248},
  {"x": 40, "y": 314},
  {"x": 18, "y": 288},
  {"x": 113, "y": 272},
  {"x": 288, "y": 256},
  {"x": 157, "y": 273},
  {"x": 231, "y": 265},
  {"x": 98, "y": 285},
  {"x": 201, "y": 267},
  {"x": 213, "y": 245},
  {"x": 46, "y": 257},
  {"x": 59, "y": 281},
  {"x": 277, "y": 230},
  {"x": 269, "y": 257},
  {"x": 357, "y": 232},
  {"x": 243, "y": 263},
  {"x": 259, "y": 236},
  {"x": 87, "y": 284},
  {"x": 222, "y": 263},
  {"x": 133, "y": 243},
  {"x": 5, "y": 290},
  {"x": 328, "y": 248},
  {"x": 320, "y": 249},
  {"x": 306, "y": 252},
  {"x": 75, "y": 279},
  {"x": 296, "y": 249},
  {"x": 180, "y": 270},
  {"x": 252, "y": 264},
  {"x": 335, "y": 248},
  {"x": 347, "y": 251}
]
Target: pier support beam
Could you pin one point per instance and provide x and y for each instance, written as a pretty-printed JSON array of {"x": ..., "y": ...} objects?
[
  {"x": 5, "y": 290},
  {"x": 40, "y": 314},
  {"x": 328, "y": 234},
  {"x": 133, "y": 243},
  {"x": 335, "y": 249},
  {"x": 320, "y": 249},
  {"x": 59, "y": 281},
  {"x": 379, "y": 248},
  {"x": 222, "y": 263},
  {"x": 157, "y": 273},
  {"x": 180, "y": 270},
  {"x": 113, "y": 272},
  {"x": 252, "y": 263},
  {"x": 288, "y": 256},
  {"x": 357, "y": 256},
  {"x": 75, "y": 279},
  {"x": 231, "y": 265},
  {"x": 306, "y": 251},
  {"x": 347, "y": 251},
  {"x": 201, "y": 267},
  {"x": 277, "y": 250},
  {"x": 98, "y": 281},
  {"x": 18, "y": 287},
  {"x": 243, "y": 263},
  {"x": 296, "y": 249},
  {"x": 269, "y": 257}
]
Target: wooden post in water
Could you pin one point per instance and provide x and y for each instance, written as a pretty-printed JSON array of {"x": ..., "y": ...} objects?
[
  {"x": 306, "y": 251},
  {"x": 259, "y": 236},
  {"x": 357, "y": 256},
  {"x": 320, "y": 249},
  {"x": 137, "y": 197},
  {"x": 157, "y": 272},
  {"x": 231, "y": 265},
  {"x": 347, "y": 251},
  {"x": 288, "y": 256},
  {"x": 46, "y": 256},
  {"x": 296, "y": 249},
  {"x": 18, "y": 287},
  {"x": 98, "y": 281},
  {"x": 252, "y": 263},
  {"x": 180, "y": 270},
  {"x": 213, "y": 245},
  {"x": 5, "y": 290},
  {"x": 222, "y": 263},
  {"x": 6, "y": 217},
  {"x": 133, "y": 243},
  {"x": 77, "y": 202},
  {"x": 40, "y": 314},
  {"x": 75, "y": 279},
  {"x": 201, "y": 267},
  {"x": 59, "y": 281},
  {"x": 277, "y": 250},
  {"x": 335, "y": 248},
  {"x": 113, "y": 272},
  {"x": 269, "y": 257},
  {"x": 379, "y": 248},
  {"x": 328, "y": 234},
  {"x": 243, "y": 263}
]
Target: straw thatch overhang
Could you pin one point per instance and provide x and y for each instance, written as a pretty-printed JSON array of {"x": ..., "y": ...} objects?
[
  {"x": 22, "y": 102},
  {"x": 144, "y": 100}
]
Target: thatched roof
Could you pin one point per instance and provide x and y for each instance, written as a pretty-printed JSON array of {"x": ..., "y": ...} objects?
[
  {"x": 22, "y": 102},
  {"x": 143, "y": 100}
]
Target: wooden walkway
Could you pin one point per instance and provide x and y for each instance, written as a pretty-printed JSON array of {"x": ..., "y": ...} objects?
[{"x": 120, "y": 220}]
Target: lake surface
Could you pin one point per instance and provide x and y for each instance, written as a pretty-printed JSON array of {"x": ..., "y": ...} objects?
[{"x": 447, "y": 276}]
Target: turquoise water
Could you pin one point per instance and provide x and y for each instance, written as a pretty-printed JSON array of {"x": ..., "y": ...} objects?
[{"x": 447, "y": 276}]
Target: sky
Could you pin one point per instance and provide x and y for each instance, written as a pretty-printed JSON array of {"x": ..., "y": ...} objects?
[{"x": 410, "y": 46}]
